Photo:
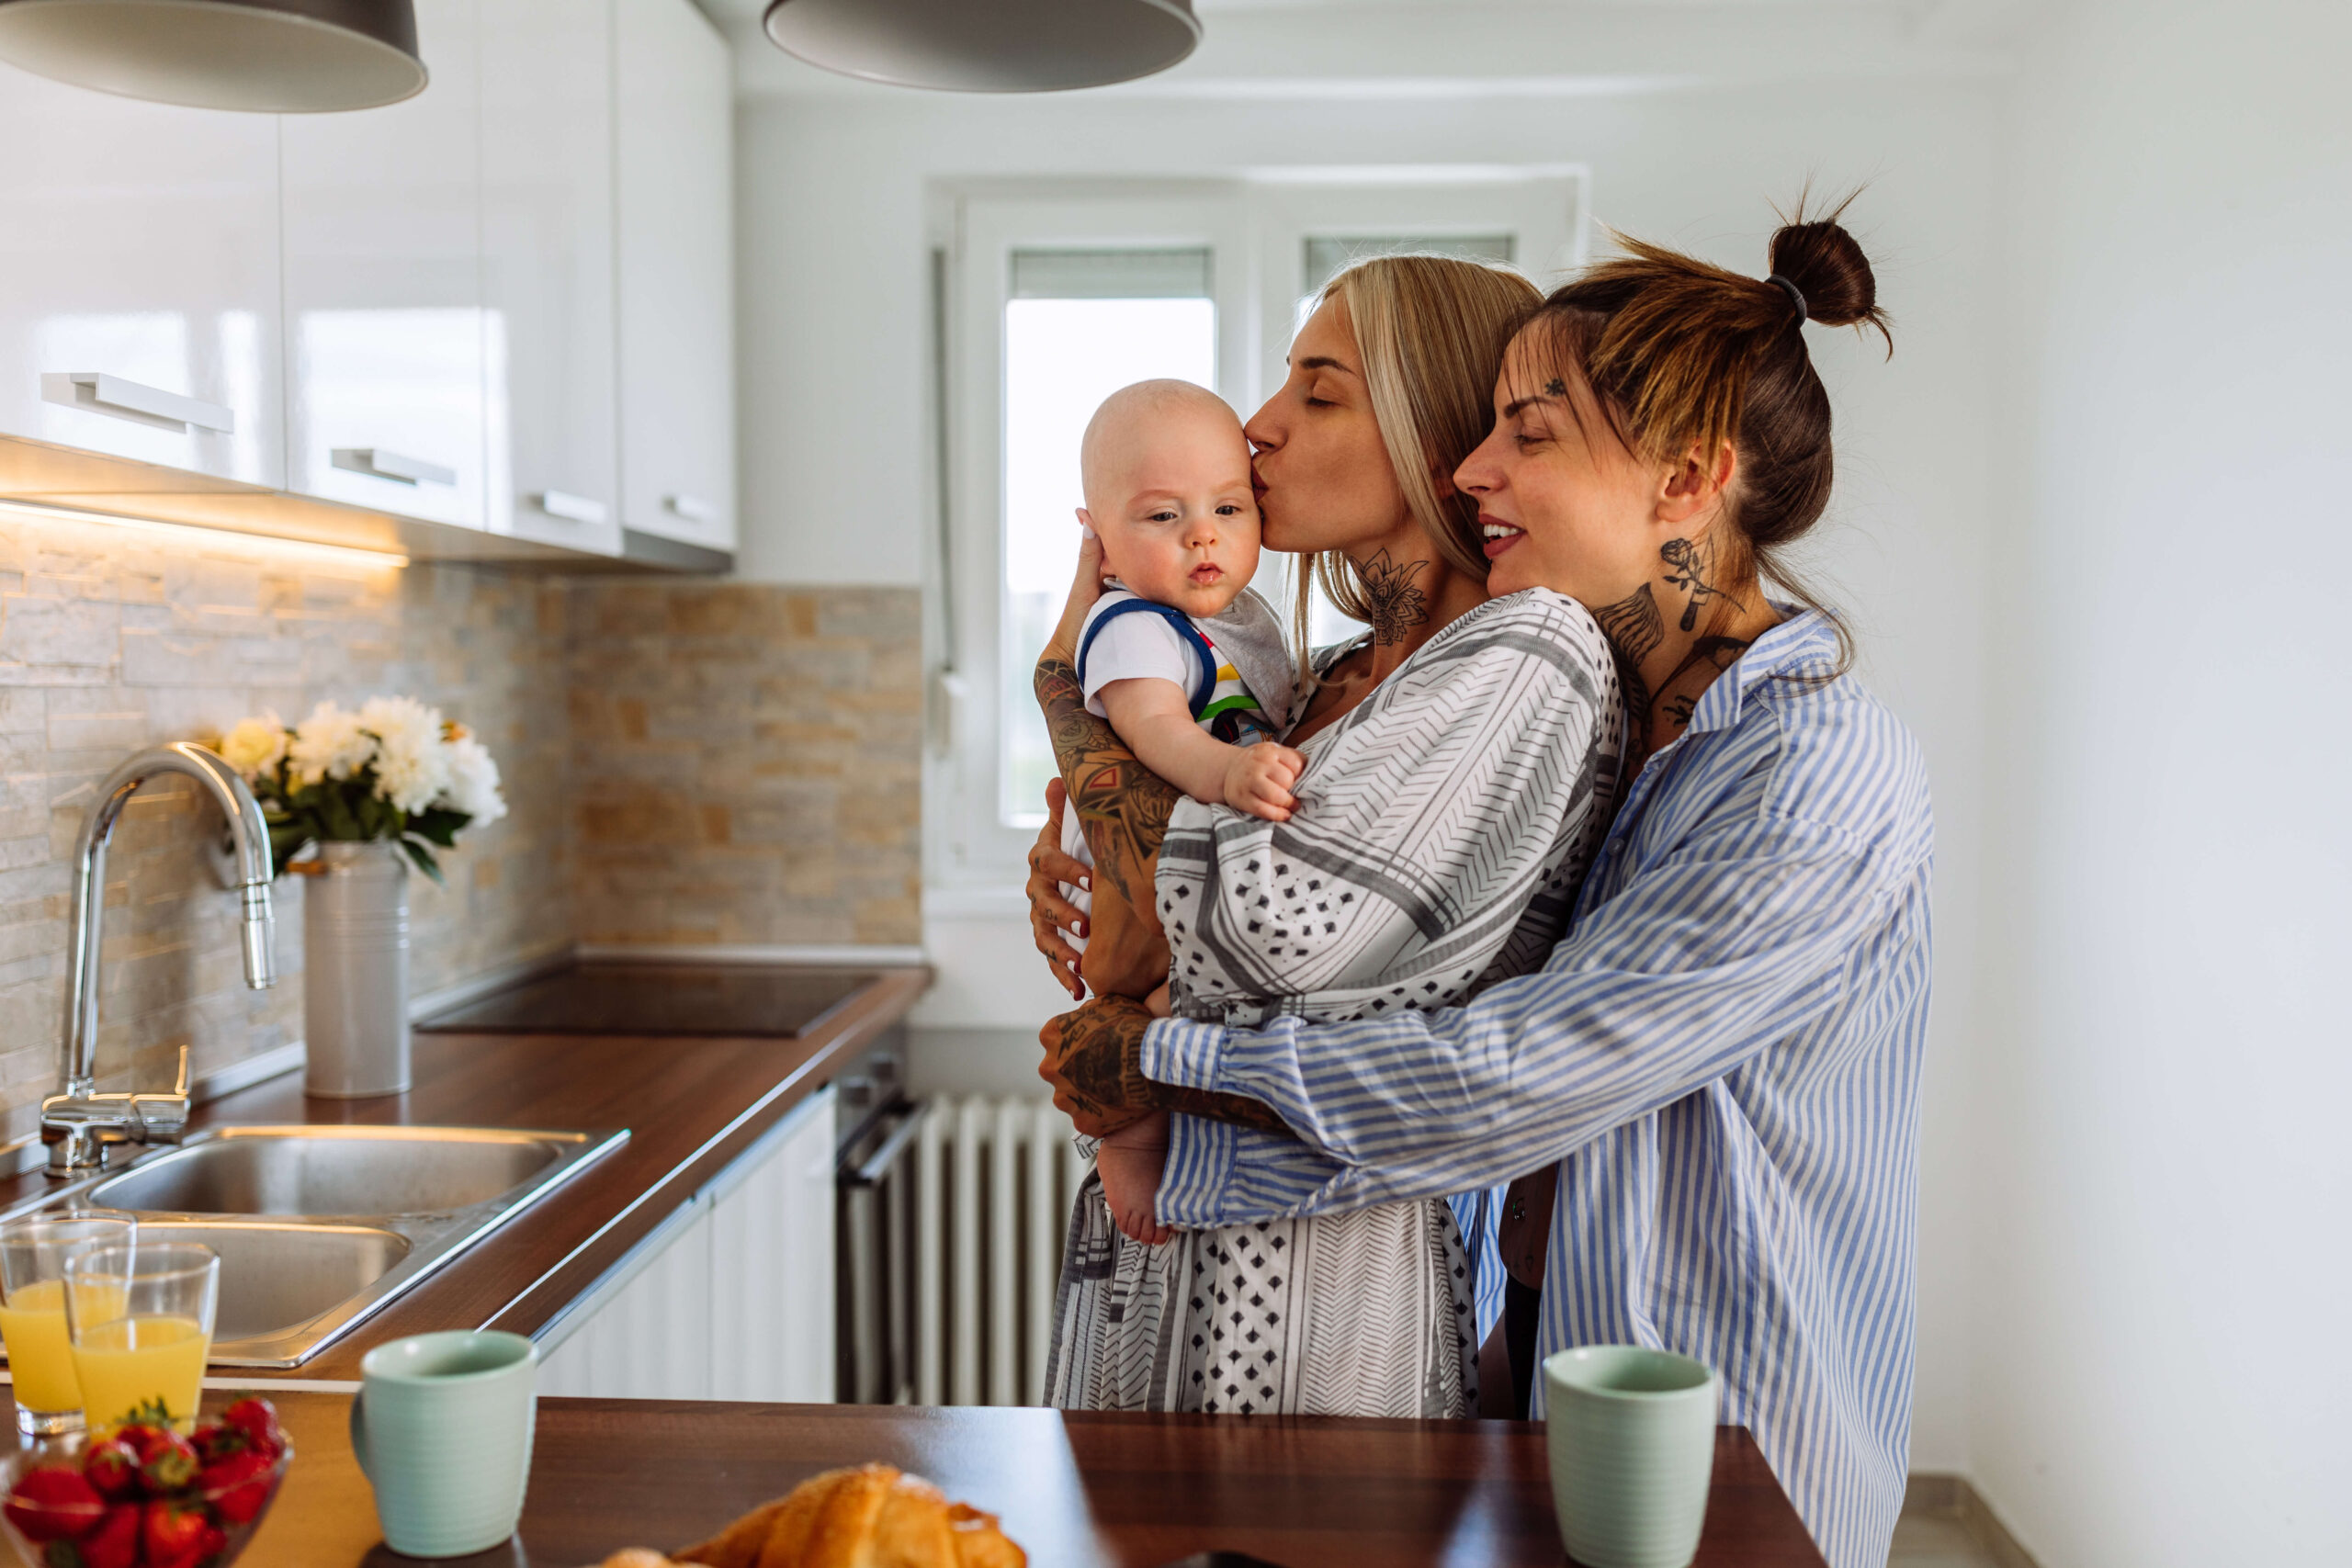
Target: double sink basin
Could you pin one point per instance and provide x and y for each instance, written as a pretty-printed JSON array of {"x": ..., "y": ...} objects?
[{"x": 318, "y": 1228}]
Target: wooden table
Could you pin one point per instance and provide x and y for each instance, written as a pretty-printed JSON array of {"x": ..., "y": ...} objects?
[{"x": 1072, "y": 1488}]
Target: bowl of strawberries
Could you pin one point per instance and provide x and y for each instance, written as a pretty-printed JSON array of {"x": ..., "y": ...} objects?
[{"x": 141, "y": 1496}]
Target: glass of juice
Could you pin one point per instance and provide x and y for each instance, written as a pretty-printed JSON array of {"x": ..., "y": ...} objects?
[
  {"x": 141, "y": 1318},
  {"x": 33, "y": 1251}
]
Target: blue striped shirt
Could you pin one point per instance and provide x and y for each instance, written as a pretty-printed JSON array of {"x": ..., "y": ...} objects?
[{"x": 1723, "y": 1057}]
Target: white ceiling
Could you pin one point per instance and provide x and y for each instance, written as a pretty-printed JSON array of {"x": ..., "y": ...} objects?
[{"x": 1438, "y": 47}]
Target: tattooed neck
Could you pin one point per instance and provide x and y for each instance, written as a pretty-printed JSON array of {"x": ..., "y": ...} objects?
[
  {"x": 1690, "y": 567},
  {"x": 1633, "y": 629},
  {"x": 1637, "y": 637},
  {"x": 1392, "y": 602}
]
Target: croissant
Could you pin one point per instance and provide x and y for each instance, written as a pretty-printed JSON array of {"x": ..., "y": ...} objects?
[{"x": 872, "y": 1517}]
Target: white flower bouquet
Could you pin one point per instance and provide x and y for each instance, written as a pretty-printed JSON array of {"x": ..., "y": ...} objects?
[{"x": 394, "y": 768}]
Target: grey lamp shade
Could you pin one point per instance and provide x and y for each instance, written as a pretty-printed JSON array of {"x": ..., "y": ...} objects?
[
  {"x": 269, "y": 56},
  {"x": 987, "y": 46}
]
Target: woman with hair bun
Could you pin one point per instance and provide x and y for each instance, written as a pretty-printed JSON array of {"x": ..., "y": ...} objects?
[{"x": 1708, "y": 1097}]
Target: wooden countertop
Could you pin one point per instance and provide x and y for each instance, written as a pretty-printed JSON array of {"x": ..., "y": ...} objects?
[
  {"x": 1073, "y": 1488},
  {"x": 691, "y": 1105}
]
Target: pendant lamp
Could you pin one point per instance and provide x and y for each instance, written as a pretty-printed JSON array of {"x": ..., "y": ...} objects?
[
  {"x": 270, "y": 56},
  {"x": 987, "y": 46}
]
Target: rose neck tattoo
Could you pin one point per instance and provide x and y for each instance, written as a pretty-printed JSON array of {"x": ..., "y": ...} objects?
[{"x": 1392, "y": 602}]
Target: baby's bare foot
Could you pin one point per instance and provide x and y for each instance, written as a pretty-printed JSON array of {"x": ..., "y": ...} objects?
[{"x": 1130, "y": 1162}]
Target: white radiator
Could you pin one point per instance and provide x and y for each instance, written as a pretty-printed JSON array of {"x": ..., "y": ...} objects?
[{"x": 994, "y": 1184}]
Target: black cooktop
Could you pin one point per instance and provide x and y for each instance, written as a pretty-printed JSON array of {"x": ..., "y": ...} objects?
[{"x": 661, "y": 998}]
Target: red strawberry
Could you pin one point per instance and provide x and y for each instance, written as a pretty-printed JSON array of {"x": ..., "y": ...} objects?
[
  {"x": 54, "y": 1502},
  {"x": 238, "y": 1486},
  {"x": 175, "y": 1534},
  {"x": 258, "y": 1419},
  {"x": 141, "y": 1436},
  {"x": 112, "y": 1466},
  {"x": 217, "y": 1441},
  {"x": 114, "y": 1543},
  {"x": 171, "y": 1462}
]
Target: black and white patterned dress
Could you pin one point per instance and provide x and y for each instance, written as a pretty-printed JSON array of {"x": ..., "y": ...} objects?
[{"x": 1442, "y": 827}]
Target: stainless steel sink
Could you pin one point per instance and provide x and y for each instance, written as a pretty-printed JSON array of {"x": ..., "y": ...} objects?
[
  {"x": 320, "y": 1227},
  {"x": 278, "y": 1170},
  {"x": 275, "y": 1279}
]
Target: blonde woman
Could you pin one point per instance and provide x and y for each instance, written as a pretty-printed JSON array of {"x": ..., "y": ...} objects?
[{"x": 1461, "y": 758}]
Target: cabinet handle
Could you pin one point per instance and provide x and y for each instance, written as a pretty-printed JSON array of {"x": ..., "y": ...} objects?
[
  {"x": 570, "y": 508},
  {"x": 692, "y": 508},
  {"x": 376, "y": 463},
  {"x": 101, "y": 393}
]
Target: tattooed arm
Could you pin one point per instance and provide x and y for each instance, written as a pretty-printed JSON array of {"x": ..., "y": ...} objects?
[
  {"x": 1123, "y": 808},
  {"x": 1094, "y": 1060}
]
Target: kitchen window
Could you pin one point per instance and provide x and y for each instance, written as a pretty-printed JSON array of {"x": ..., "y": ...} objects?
[{"x": 1047, "y": 304}]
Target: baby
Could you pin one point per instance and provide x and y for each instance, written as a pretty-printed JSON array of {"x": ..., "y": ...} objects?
[{"x": 1184, "y": 662}]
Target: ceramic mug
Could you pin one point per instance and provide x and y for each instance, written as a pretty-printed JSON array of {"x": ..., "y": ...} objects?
[
  {"x": 442, "y": 1427},
  {"x": 1632, "y": 1436}
]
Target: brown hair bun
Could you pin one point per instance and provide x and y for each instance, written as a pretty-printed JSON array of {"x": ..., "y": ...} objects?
[{"x": 1827, "y": 267}]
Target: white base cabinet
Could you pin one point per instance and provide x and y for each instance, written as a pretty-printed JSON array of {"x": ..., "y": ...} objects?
[{"x": 736, "y": 1301}]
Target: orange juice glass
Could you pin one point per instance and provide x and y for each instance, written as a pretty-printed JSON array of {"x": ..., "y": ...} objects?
[
  {"x": 141, "y": 1318},
  {"x": 33, "y": 1252}
]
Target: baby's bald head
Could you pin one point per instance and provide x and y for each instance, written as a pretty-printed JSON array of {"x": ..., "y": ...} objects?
[
  {"x": 1136, "y": 421},
  {"x": 1167, "y": 488}
]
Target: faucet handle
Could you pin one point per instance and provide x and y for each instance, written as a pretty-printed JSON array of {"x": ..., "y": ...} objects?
[{"x": 162, "y": 1114}]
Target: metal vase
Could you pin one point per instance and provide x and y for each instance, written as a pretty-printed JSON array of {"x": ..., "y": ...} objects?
[{"x": 355, "y": 972}]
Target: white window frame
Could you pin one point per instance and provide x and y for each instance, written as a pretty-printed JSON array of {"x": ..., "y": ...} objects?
[{"x": 1255, "y": 229}]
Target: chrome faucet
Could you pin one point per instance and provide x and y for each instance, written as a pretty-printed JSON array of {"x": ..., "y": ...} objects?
[{"x": 77, "y": 1123}]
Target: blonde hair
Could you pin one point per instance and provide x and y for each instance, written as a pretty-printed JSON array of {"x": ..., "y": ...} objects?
[{"x": 1431, "y": 330}]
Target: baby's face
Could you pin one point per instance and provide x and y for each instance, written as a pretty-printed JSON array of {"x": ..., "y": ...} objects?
[{"x": 1174, "y": 508}]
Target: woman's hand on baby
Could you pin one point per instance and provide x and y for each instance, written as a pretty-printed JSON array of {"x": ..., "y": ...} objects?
[
  {"x": 1084, "y": 589},
  {"x": 1259, "y": 779},
  {"x": 1050, "y": 914}
]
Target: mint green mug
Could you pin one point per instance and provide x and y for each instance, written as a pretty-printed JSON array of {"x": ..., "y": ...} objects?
[
  {"x": 1632, "y": 1436},
  {"x": 442, "y": 1427}
]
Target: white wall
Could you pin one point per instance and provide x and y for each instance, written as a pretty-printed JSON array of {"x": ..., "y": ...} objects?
[
  {"x": 834, "y": 371},
  {"x": 2164, "y": 1186}
]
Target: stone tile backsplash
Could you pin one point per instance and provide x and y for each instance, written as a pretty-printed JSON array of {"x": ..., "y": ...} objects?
[
  {"x": 684, "y": 763},
  {"x": 750, "y": 764}
]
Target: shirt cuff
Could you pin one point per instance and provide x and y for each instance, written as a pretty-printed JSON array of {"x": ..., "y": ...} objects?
[
  {"x": 1183, "y": 1053},
  {"x": 1193, "y": 1186}
]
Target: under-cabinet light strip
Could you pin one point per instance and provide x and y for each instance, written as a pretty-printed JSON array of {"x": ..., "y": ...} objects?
[{"x": 199, "y": 534}]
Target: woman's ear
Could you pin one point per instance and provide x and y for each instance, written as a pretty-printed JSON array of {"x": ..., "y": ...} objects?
[{"x": 1690, "y": 493}]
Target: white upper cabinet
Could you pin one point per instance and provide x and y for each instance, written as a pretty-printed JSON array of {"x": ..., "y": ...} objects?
[
  {"x": 385, "y": 320},
  {"x": 139, "y": 279},
  {"x": 674, "y": 180},
  {"x": 505, "y": 305},
  {"x": 547, "y": 109}
]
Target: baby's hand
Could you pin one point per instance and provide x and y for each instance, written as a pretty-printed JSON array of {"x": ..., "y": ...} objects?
[{"x": 1259, "y": 780}]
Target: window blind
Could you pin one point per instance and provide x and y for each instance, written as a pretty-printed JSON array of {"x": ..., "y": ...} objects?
[{"x": 1112, "y": 275}]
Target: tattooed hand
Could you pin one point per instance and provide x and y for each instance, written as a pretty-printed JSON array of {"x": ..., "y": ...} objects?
[{"x": 1094, "y": 1060}]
